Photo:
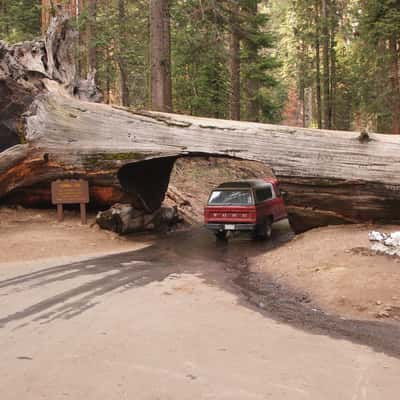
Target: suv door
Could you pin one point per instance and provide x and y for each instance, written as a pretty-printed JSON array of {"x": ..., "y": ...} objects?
[
  {"x": 281, "y": 209},
  {"x": 266, "y": 203}
]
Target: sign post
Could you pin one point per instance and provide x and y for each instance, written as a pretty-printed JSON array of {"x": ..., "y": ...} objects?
[{"x": 70, "y": 191}]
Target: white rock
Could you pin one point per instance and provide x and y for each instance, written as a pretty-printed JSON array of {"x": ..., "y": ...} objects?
[
  {"x": 375, "y": 236},
  {"x": 386, "y": 244}
]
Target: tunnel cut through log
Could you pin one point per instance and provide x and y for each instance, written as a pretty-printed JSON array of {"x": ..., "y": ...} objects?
[
  {"x": 162, "y": 205},
  {"x": 148, "y": 180}
]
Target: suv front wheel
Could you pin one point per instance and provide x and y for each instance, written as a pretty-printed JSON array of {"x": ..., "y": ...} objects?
[
  {"x": 264, "y": 231},
  {"x": 221, "y": 235}
]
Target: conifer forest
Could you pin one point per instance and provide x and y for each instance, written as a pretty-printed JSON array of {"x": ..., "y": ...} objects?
[{"x": 330, "y": 64}]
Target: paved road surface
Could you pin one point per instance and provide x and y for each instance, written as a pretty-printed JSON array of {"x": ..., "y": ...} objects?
[{"x": 166, "y": 323}]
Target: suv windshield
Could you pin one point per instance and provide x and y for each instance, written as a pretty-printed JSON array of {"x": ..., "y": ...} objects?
[{"x": 231, "y": 197}]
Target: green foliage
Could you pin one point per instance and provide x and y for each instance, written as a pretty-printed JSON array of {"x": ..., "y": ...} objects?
[
  {"x": 263, "y": 93},
  {"x": 380, "y": 19},
  {"x": 200, "y": 51},
  {"x": 199, "y": 54},
  {"x": 361, "y": 77},
  {"x": 20, "y": 20},
  {"x": 118, "y": 39},
  {"x": 378, "y": 23},
  {"x": 278, "y": 54}
]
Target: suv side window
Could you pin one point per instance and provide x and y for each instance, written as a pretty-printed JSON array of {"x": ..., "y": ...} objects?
[{"x": 263, "y": 194}]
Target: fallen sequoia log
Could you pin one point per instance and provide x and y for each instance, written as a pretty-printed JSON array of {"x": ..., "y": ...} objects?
[{"x": 330, "y": 176}]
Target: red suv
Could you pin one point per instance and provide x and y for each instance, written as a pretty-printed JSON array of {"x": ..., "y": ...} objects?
[{"x": 248, "y": 205}]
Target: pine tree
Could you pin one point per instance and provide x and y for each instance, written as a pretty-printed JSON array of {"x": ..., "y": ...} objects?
[
  {"x": 379, "y": 60},
  {"x": 200, "y": 55},
  {"x": 258, "y": 62},
  {"x": 234, "y": 61},
  {"x": 19, "y": 19},
  {"x": 160, "y": 54}
]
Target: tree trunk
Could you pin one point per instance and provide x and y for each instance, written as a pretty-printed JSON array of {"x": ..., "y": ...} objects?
[
  {"x": 301, "y": 82},
  {"x": 50, "y": 8},
  {"x": 4, "y": 13},
  {"x": 46, "y": 14},
  {"x": 91, "y": 37},
  {"x": 251, "y": 84},
  {"x": 333, "y": 81},
  {"x": 331, "y": 177},
  {"x": 395, "y": 83},
  {"x": 108, "y": 74},
  {"x": 326, "y": 51},
  {"x": 234, "y": 66},
  {"x": 160, "y": 54},
  {"x": 318, "y": 66},
  {"x": 121, "y": 59},
  {"x": 333, "y": 26}
]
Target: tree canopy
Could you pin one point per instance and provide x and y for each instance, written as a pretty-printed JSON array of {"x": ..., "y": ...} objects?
[{"x": 316, "y": 63}]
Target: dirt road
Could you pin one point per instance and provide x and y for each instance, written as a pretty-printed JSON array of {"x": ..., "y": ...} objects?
[{"x": 181, "y": 319}]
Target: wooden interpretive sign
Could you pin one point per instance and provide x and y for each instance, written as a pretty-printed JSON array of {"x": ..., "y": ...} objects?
[{"x": 70, "y": 191}]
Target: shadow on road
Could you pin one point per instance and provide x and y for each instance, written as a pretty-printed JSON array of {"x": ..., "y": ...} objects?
[
  {"x": 197, "y": 252},
  {"x": 173, "y": 253}
]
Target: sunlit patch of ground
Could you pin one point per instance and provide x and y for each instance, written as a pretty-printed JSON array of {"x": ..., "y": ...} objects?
[{"x": 28, "y": 235}]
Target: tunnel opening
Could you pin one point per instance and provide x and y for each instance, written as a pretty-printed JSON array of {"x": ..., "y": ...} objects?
[
  {"x": 148, "y": 180},
  {"x": 195, "y": 176},
  {"x": 185, "y": 181},
  {"x": 175, "y": 187}
]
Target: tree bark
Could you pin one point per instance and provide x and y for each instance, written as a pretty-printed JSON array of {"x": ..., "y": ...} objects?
[
  {"x": 301, "y": 83},
  {"x": 333, "y": 25},
  {"x": 4, "y": 12},
  {"x": 251, "y": 84},
  {"x": 318, "y": 65},
  {"x": 160, "y": 54},
  {"x": 234, "y": 66},
  {"x": 333, "y": 80},
  {"x": 91, "y": 37},
  {"x": 326, "y": 51},
  {"x": 121, "y": 59},
  {"x": 124, "y": 218},
  {"x": 46, "y": 14},
  {"x": 395, "y": 83},
  {"x": 50, "y": 8},
  {"x": 331, "y": 176}
]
